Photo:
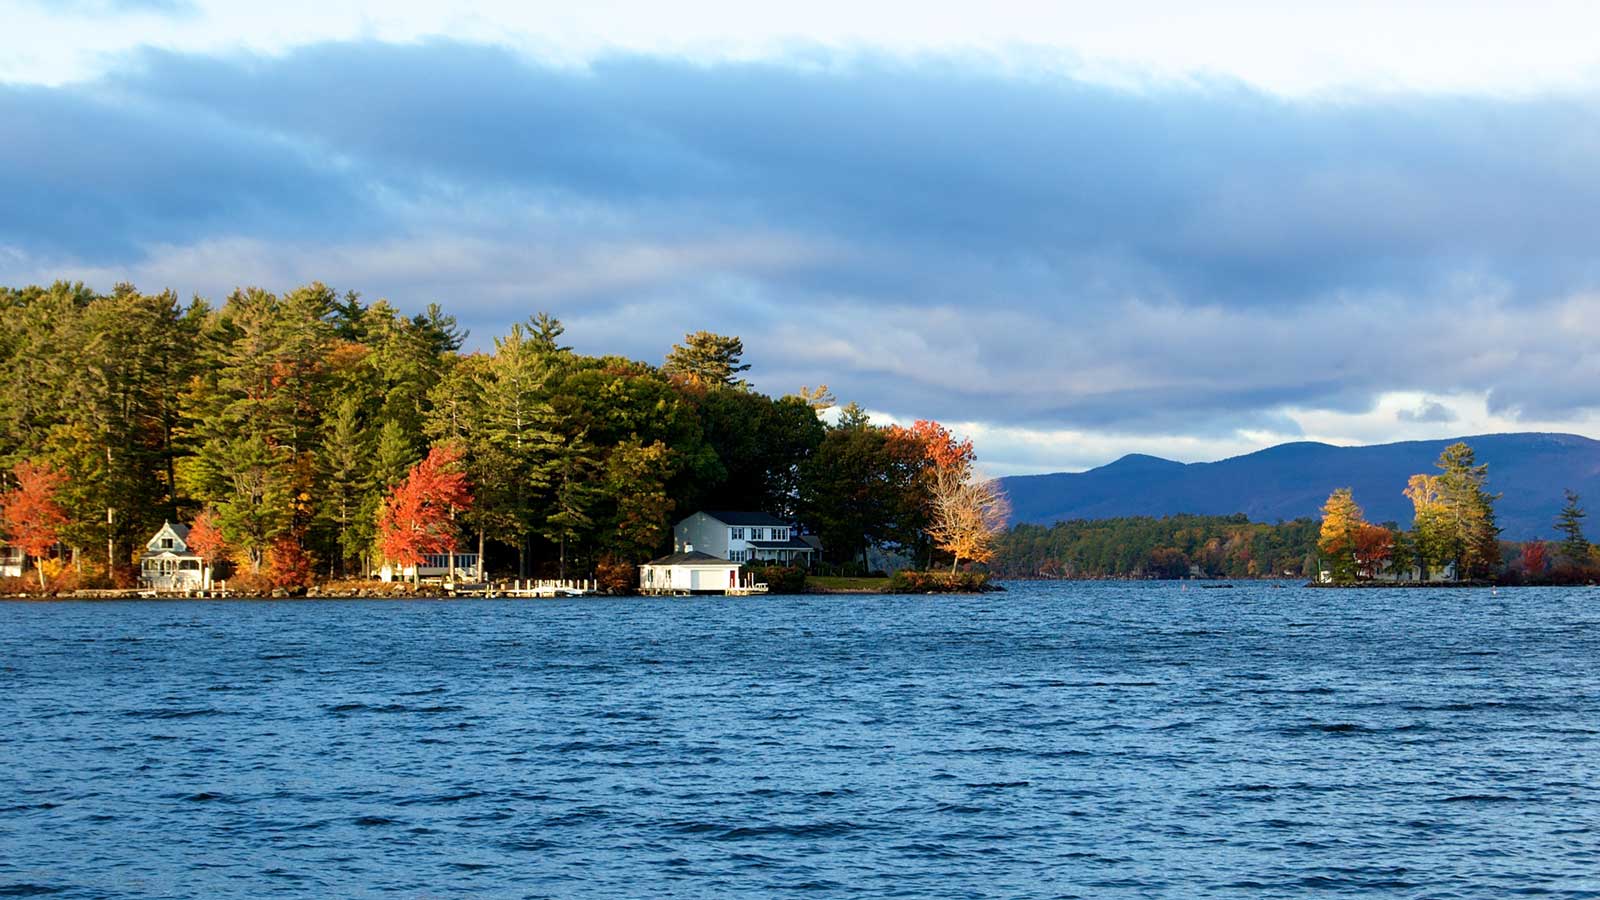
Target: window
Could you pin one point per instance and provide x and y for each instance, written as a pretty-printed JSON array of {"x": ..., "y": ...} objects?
[
  {"x": 756, "y": 534},
  {"x": 736, "y": 533},
  {"x": 166, "y": 543},
  {"x": 736, "y": 556}
]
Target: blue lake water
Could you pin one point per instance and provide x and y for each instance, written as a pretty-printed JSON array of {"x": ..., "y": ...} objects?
[{"x": 1061, "y": 740}]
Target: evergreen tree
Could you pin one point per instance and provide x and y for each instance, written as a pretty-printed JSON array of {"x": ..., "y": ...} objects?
[
  {"x": 707, "y": 358},
  {"x": 1574, "y": 546},
  {"x": 521, "y": 441},
  {"x": 347, "y": 457},
  {"x": 1469, "y": 510}
]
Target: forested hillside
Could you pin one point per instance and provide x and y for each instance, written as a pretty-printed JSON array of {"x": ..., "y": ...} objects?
[{"x": 1166, "y": 547}]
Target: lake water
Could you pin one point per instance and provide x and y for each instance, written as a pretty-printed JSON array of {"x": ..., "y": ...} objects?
[{"x": 1061, "y": 740}]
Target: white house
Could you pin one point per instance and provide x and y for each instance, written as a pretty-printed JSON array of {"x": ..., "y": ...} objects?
[
  {"x": 742, "y": 537},
  {"x": 12, "y": 560},
  {"x": 688, "y": 572},
  {"x": 166, "y": 563},
  {"x": 436, "y": 567}
]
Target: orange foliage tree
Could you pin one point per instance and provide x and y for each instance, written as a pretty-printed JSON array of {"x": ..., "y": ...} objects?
[
  {"x": 206, "y": 541},
  {"x": 964, "y": 515},
  {"x": 417, "y": 518},
  {"x": 1374, "y": 545},
  {"x": 288, "y": 564},
  {"x": 31, "y": 514}
]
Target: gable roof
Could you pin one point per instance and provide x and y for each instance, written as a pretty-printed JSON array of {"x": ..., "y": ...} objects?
[
  {"x": 182, "y": 531},
  {"x": 735, "y": 517},
  {"x": 689, "y": 558}
]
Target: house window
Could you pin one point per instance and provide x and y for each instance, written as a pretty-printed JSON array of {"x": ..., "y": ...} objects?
[
  {"x": 166, "y": 543},
  {"x": 736, "y": 556},
  {"x": 736, "y": 533},
  {"x": 756, "y": 534}
]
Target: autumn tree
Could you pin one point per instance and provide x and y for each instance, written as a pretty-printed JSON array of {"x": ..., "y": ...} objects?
[
  {"x": 1374, "y": 549},
  {"x": 418, "y": 517},
  {"x": 707, "y": 358},
  {"x": 1435, "y": 542},
  {"x": 1339, "y": 540},
  {"x": 968, "y": 516},
  {"x": 31, "y": 514},
  {"x": 207, "y": 542},
  {"x": 1535, "y": 558}
]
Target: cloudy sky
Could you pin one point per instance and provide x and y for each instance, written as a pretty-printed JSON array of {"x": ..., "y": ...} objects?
[{"x": 1072, "y": 232}]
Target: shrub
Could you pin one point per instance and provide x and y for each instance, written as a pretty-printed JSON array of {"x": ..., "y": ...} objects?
[
  {"x": 288, "y": 565},
  {"x": 907, "y": 581},
  {"x": 615, "y": 575},
  {"x": 779, "y": 579}
]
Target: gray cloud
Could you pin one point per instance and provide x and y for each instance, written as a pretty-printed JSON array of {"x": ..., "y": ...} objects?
[
  {"x": 926, "y": 236},
  {"x": 1427, "y": 411}
]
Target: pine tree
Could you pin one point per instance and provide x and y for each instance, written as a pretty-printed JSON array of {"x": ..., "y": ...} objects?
[
  {"x": 707, "y": 358},
  {"x": 520, "y": 440},
  {"x": 1574, "y": 546},
  {"x": 347, "y": 456},
  {"x": 1469, "y": 510}
]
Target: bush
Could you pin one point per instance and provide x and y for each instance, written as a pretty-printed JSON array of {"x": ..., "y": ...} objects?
[
  {"x": 288, "y": 565},
  {"x": 907, "y": 581},
  {"x": 615, "y": 575},
  {"x": 779, "y": 579}
]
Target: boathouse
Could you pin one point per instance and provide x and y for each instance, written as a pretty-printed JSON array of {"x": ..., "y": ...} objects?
[
  {"x": 689, "y": 572},
  {"x": 743, "y": 537},
  {"x": 166, "y": 563}
]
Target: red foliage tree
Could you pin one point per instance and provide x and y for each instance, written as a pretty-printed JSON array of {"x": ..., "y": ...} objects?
[
  {"x": 416, "y": 519},
  {"x": 206, "y": 541},
  {"x": 1374, "y": 544},
  {"x": 288, "y": 564},
  {"x": 32, "y": 517},
  {"x": 1535, "y": 557}
]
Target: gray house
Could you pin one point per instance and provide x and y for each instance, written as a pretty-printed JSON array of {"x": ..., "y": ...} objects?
[{"x": 742, "y": 537}]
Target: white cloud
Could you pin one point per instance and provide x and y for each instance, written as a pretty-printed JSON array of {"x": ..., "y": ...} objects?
[{"x": 1293, "y": 48}]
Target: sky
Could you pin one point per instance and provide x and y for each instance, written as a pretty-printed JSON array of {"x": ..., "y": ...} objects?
[{"x": 1068, "y": 231}]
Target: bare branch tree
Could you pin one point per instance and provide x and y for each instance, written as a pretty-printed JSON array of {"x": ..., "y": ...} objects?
[{"x": 967, "y": 516}]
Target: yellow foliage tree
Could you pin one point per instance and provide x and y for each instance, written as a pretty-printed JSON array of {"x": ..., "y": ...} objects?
[{"x": 1342, "y": 521}]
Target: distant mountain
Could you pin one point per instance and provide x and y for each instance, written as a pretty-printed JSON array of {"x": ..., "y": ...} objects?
[{"x": 1292, "y": 480}]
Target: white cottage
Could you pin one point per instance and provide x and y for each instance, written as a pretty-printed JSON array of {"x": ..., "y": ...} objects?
[
  {"x": 167, "y": 565},
  {"x": 12, "y": 561},
  {"x": 743, "y": 537},
  {"x": 689, "y": 572}
]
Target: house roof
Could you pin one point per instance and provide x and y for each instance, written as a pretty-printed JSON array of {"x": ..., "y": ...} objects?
[
  {"x": 735, "y": 517},
  {"x": 689, "y": 558},
  {"x": 182, "y": 531},
  {"x": 790, "y": 544}
]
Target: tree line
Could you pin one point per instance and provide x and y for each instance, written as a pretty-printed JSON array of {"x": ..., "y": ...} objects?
[
  {"x": 311, "y": 434},
  {"x": 1166, "y": 547}
]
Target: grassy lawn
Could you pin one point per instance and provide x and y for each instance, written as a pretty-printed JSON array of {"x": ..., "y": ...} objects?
[{"x": 836, "y": 583}]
